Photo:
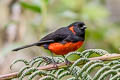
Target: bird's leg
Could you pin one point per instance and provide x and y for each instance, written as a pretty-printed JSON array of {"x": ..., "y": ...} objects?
[
  {"x": 54, "y": 63},
  {"x": 66, "y": 61}
]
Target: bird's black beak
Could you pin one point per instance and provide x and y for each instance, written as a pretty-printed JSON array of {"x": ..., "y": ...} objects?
[{"x": 84, "y": 27}]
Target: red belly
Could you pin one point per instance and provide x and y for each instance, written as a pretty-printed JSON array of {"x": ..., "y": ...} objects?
[{"x": 62, "y": 49}]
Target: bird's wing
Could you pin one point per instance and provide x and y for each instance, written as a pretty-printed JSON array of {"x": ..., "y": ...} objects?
[{"x": 58, "y": 36}]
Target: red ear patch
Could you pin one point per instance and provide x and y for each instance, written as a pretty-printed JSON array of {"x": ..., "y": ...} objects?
[{"x": 71, "y": 29}]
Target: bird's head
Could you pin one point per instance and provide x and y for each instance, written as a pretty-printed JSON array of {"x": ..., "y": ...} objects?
[
  {"x": 79, "y": 28},
  {"x": 80, "y": 25}
]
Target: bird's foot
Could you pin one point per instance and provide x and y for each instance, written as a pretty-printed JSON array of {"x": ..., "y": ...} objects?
[
  {"x": 48, "y": 60},
  {"x": 55, "y": 65},
  {"x": 51, "y": 61},
  {"x": 67, "y": 62}
]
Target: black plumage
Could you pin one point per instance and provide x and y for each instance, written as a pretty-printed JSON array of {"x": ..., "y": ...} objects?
[{"x": 61, "y": 35}]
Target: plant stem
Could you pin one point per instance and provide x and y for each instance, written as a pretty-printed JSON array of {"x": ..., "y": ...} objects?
[{"x": 107, "y": 57}]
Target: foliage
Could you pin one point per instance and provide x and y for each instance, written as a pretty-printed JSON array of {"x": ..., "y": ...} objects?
[
  {"x": 93, "y": 13},
  {"x": 38, "y": 17},
  {"x": 75, "y": 71},
  {"x": 32, "y": 7}
]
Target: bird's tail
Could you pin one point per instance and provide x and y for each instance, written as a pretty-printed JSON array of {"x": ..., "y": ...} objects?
[
  {"x": 26, "y": 46},
  {"x": 34, "y": 44}
]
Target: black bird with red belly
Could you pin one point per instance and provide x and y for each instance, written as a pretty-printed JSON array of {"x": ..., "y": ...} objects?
[{"x": 63, "y": 40}]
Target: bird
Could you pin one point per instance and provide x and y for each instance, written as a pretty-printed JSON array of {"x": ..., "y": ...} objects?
[{"x": 62, "y": 41}]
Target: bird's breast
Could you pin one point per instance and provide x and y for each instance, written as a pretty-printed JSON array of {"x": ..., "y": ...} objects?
[{"x": 62, "y": 49}]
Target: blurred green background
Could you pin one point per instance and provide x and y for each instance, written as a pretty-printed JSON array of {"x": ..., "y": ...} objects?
[{"x": 26, "y": 21}]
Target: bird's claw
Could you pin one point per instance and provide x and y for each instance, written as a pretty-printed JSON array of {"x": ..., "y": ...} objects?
[
  {"x": 55, "y": 65},
  {"x": 67, "y": 62}
]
